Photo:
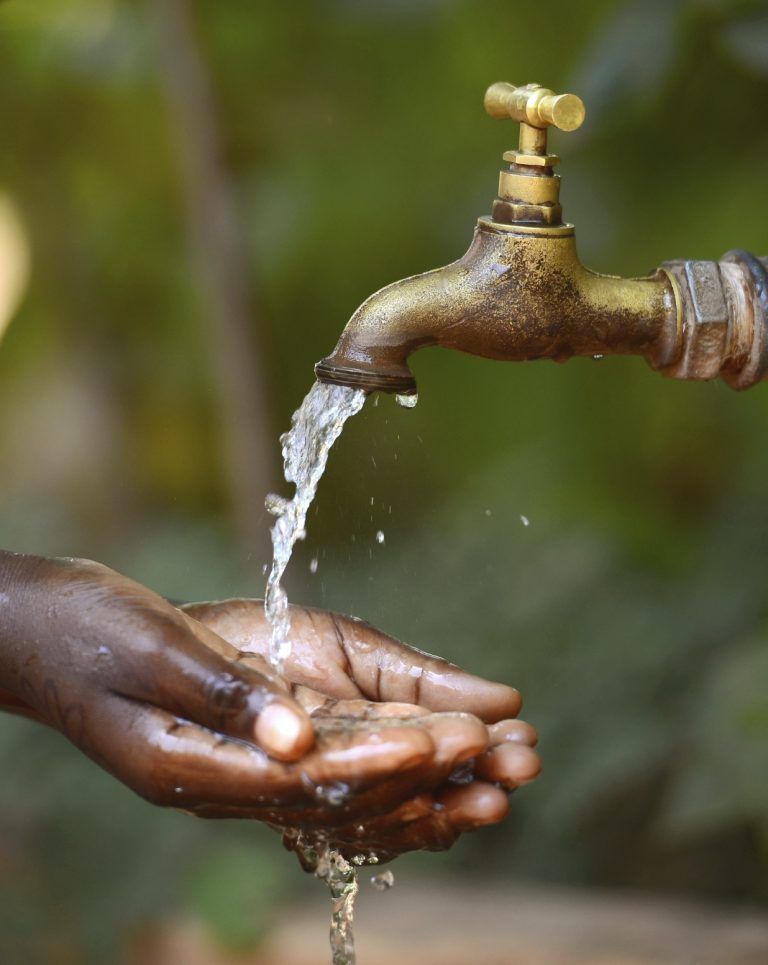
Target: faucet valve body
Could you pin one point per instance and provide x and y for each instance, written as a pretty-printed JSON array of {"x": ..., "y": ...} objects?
[{"x": 521, "y": 292}]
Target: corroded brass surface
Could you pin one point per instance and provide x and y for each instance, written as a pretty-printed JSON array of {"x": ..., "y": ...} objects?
[
  {"x": 521, "y": 293},
  {"x": 515, "y": 295}
]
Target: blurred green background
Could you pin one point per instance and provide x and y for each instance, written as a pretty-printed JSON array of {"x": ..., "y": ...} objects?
[{"x": 202, "y": 194}]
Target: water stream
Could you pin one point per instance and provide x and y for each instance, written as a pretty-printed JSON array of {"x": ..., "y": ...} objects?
[
  {"x": 315, "y": 426},
  {"x": 341, "y": 877}
]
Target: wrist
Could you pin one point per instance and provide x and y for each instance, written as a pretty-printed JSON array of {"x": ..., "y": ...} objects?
[{"x": 16, "y": 609}]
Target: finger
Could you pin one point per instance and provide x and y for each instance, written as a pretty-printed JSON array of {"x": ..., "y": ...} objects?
[
  {"x": 386, "y": 669},
  {"x": 513, "y": 730},
  {"x": 510, "y": 765},
  {"x": 348, "y": 658},
  {"x": 192, "y": 673},
  {"x": 457, "y": 738},
  {"x": 474, "y": 806},
  {"x": 453, "y": 738},
  {"x": 424, "y": 823},
  {"x": 361, "y": 754},
  {"x": 417, "y": 824},
  {"x": 179, "y": 764}
]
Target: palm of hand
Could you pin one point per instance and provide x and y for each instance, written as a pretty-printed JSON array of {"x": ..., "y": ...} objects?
[{"x": 411, "y": 750}]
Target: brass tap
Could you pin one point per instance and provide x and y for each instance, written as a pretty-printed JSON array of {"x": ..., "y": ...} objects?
[{"x": 521, "y": 293}]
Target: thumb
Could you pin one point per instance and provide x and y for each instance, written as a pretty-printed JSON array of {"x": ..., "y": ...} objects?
[{"x": 197, "y": 676}]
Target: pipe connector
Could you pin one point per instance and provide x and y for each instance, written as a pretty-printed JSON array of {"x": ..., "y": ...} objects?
[{"x": 722, "y": 325}]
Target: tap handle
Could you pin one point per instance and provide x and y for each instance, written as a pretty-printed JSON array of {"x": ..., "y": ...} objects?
[{"x": 535, "y": 105}]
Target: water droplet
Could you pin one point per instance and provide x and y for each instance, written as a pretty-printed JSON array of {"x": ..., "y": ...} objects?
[
  {"x": 598, "y": 357},
  {"x": 275, "y": 504},
  {"x": 407, "y": 401},
  {"x": 264, "y": 569},
  {"x": 333, "y": 794},
  {"x": 313, "y": 564},
  {"x": 383, "y": 881},
  {"x": 525, "y": 521},
  {"x": 380, "y": 537}
]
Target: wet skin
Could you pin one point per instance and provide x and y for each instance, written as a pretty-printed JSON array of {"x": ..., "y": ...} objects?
[{"x": 361, "y": 738}]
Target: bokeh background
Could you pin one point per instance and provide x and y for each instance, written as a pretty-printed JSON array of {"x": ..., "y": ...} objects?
[{"x": 193, "y": 199}]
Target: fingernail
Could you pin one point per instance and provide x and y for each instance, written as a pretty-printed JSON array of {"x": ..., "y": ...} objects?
[{"x": 283, "y": 732}]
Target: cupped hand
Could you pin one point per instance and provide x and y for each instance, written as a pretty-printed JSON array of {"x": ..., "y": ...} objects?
[
  {"x": 363, "y": 735},
  {"x": 447, "y": 747}
]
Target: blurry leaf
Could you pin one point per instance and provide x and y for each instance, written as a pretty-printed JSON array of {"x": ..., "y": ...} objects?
[
  {"x": 747, "y": 41},
  {"x": 721, "y": 779},
  {"x": 631, "y": 55},
  {"x": 390, "y": 9},
  {"x": 235, "y": 889}
]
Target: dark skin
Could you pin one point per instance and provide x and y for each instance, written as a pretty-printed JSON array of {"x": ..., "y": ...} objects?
[{"x": 359, "y": 739}]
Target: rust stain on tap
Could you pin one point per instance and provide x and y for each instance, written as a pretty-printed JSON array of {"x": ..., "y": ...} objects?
[{"x": 521, "y": 292}]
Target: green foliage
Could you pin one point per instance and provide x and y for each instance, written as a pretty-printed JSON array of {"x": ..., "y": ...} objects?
[{"x": 235, "y": 891}]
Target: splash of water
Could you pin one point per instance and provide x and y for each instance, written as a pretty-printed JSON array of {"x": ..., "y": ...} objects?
[{"x": 315, "y": 426}]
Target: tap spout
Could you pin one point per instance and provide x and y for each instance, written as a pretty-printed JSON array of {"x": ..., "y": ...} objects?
[{"x": 519, "y": 293}]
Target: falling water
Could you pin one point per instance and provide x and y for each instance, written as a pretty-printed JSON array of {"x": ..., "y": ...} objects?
[
  {"x": 341, "y": 877},
  {"x": 315, "y": 426}
]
